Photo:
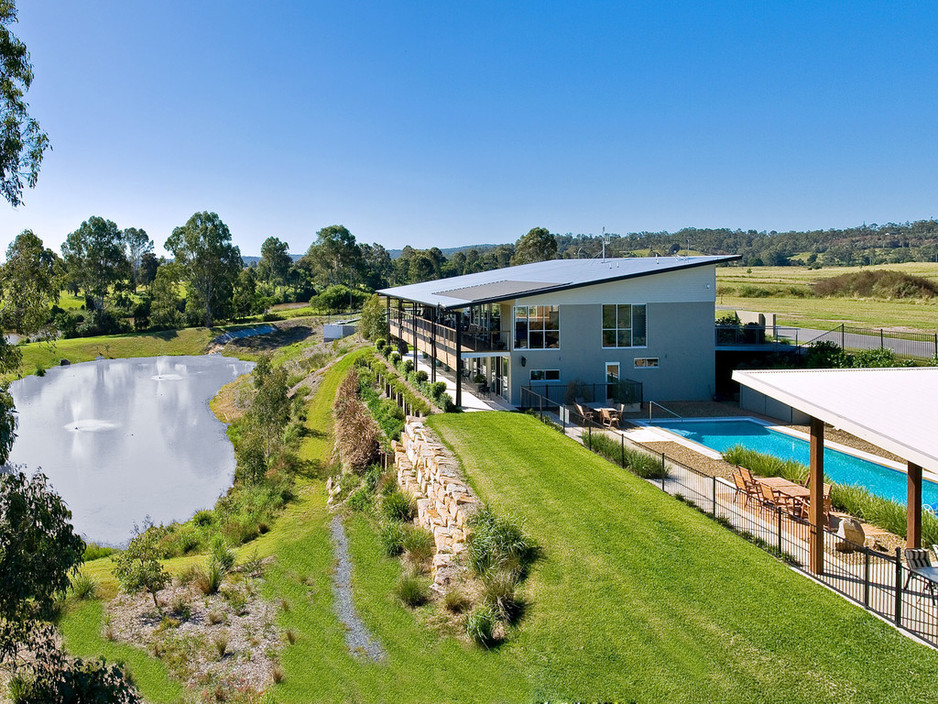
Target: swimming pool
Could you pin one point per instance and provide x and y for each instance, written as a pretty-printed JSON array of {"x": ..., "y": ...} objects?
[{"x": 839, "y": 467}]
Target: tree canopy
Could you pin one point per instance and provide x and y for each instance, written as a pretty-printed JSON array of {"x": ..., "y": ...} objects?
[
  {"x": 274, "y": 266},
  {"x": 22, "y": 142},
  {"x": 95, "y": 257},
  {"x": 210, "y": 264},
  {"x": 537, "y": 245},
  {"x": 31, "y": 280}
]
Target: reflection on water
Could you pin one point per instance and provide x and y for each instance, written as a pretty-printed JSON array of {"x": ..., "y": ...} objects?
[{"x": 123, "y": 439}]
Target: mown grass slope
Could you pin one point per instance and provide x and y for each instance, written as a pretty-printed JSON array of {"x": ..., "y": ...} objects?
[{"x": 640, "y": 597}]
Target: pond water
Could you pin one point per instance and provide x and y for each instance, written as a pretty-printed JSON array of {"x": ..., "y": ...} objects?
[{"x": 124, "y": 439}]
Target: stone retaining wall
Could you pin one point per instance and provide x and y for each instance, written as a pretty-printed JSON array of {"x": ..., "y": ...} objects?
[{"x": 429, "y": 473}]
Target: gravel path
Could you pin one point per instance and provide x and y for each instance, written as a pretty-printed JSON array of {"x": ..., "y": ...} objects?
[{"x": 357, "y": 636}]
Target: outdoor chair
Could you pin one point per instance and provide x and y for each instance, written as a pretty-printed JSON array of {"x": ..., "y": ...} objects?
[
  {"x": 803, "y": 509},
  {"x": 610, "y": 418},
  {"x": 585, "y": 412},
  {"x": 918, "y": 563},
  {"x": 773, "y": 497},
  {"x": 750, "y": 490},
  {"x": 747, "y": 476}
]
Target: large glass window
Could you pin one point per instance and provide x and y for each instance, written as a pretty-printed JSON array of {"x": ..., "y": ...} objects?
[
  {"x": 537, "y": 327},
  {"x": 624, "y": 325}
]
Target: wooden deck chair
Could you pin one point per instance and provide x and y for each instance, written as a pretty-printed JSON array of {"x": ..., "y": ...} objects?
[
  {"x": 741, "y": 487},
  {"x": 768, "y": 496},
  {"x": 747, "y": 475}
]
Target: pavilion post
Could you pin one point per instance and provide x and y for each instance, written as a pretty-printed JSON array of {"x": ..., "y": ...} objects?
[
  {"x": 400, "y": 320},
  {"x": 914, "y": 507},
  {"x": 816, "y": 486},
  {"x": 415, "y": 336},
  {"x": 433, "y": 315},
  {"x": 387, "y": 319},
  {"x": 458, "y": 359}
]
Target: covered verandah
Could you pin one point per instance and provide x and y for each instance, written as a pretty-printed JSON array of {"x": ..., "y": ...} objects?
[{"x": 890, "y": 408}]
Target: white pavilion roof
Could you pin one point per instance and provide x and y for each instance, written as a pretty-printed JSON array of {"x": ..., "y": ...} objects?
[{"x": 895, "y": 409}]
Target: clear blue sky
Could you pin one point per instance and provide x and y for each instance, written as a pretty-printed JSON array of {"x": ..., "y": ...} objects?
[{"x": 449, "y": 123}]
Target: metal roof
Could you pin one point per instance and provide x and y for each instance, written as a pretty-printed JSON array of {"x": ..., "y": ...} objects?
[
  {"x": 892, "y": 408},
  {"x": 532, "y": 279}
]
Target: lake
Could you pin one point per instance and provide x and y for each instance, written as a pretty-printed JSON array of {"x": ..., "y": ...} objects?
[{"x": 124, "y": 439}]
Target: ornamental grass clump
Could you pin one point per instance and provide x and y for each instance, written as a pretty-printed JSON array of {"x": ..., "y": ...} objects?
[
  {"x": 418, "y": 544},
  {"x": 641, "y": 463},
  {"x": 356, "y": 433},
  {"x": 766, "y": 465},
  {"x": 84, "y": 587},
  {"x": 480, "y": 625},
  {"x": 412, "y": 589},
  {"x": 391, "y": 534},
  {"x": 497, "y": 543},
  {"x": 396, "y": 506}
]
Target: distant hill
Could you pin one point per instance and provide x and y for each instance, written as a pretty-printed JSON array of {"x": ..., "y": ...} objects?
[
  {"x": 448, "y": 251},
  {"x": 250, "y": 260}
]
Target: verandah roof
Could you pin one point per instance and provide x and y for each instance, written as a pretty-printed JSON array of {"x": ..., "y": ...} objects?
[{"x": 895, "y": 409}]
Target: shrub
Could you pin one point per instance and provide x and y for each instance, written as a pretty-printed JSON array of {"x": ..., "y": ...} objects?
[
  {"x": 398, "y": 507},
  {"x": 380, "y": 343},
  {"x": 418, "y": 544},
  {"x": 421, "y": 376},
  {"x": 360, "y": 500},
  {"x": 408, "y": 366},
  {"x": 412, "y": 590},
  {"x": 93, "y": 551},
  {"x": 437, "y": 389},
  {"x": 84, "y": 587},
  {"x": 395, "y": 358},
  {"x": 204, "y": 518},
  {"x": 392, "y": 538},
  {"x": 480, "y": 626},
  {"x": 641, "y": 463}
]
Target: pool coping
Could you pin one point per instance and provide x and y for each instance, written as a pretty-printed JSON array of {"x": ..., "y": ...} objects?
[{"x": 785, "y": 430}]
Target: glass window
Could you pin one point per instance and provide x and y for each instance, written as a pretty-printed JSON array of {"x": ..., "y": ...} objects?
[
  {"x": 537, "y": 327},
  {"x": 545, "y": 374},
  {"x": 624, "y": 325},
  {"x": 645, "y": 362}
]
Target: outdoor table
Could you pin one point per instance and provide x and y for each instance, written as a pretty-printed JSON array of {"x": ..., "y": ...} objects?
[{"x": 796, "y": 491}]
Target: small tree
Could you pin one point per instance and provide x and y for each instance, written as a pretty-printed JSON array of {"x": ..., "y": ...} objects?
[
  {"x": 138, "y": 568},
  {"x": 373, "y": 323}
]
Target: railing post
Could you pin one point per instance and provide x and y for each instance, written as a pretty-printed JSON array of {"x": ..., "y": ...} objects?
[
  {"x": 662, "y": 472},
  {"x": 898, "y": 586},
  {"x": 866, "y": 577},
  {"x": 842, "y": 345},
  {"x": 779, "y": 512},
  {"x": 621, "y": 450},
  {"x": 880, "y": 338},
  {"x": 714, "y": 494},
  {"x": 589, "y": 427}
]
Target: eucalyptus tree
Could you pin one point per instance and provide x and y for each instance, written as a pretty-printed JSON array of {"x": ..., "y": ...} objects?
[
  {"x": 22, "y": 142},
  {"x": 31, "y": 280},
  {"x": 274, "y": 266},
  {"x": 95, "y": 258},
  {"x": 209, "y": 262},
  {"x": 334, "y": 254},
  {"x": 537, "y": 245},
  {"x": 137, "y": 244}
]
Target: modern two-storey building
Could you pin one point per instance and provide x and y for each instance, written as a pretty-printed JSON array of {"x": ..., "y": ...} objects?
[{"x": 560, "y": 323}]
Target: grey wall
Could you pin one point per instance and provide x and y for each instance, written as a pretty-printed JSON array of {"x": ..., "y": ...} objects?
[
  {"x": 758, "y": 402},
  {"x": 679, "y": 334}
]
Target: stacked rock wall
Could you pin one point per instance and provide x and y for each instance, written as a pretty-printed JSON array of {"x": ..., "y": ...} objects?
[{"x": 429, "y": 473}]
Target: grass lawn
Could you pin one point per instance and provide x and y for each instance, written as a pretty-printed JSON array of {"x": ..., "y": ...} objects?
[
  {"x": 642, "y": 598},
  {"x": 826, "y": 313}
]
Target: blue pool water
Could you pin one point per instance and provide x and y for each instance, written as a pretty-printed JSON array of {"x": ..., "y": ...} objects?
[{"x": 839, "y": 467}]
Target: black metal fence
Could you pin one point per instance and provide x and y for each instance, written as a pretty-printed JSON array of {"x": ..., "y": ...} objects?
[
  {"x": 879, "y": 581},
  {"x": 920, "y": 345}
]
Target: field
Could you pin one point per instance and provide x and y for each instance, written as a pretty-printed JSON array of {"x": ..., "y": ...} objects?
[{"x": 785, "y": 291}]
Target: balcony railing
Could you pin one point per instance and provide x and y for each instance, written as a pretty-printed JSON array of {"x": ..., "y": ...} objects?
[{"x": 471, "y": 339}]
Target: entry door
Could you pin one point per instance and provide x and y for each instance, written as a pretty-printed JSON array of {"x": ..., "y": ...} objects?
[{"x": 612, "y": 379}]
